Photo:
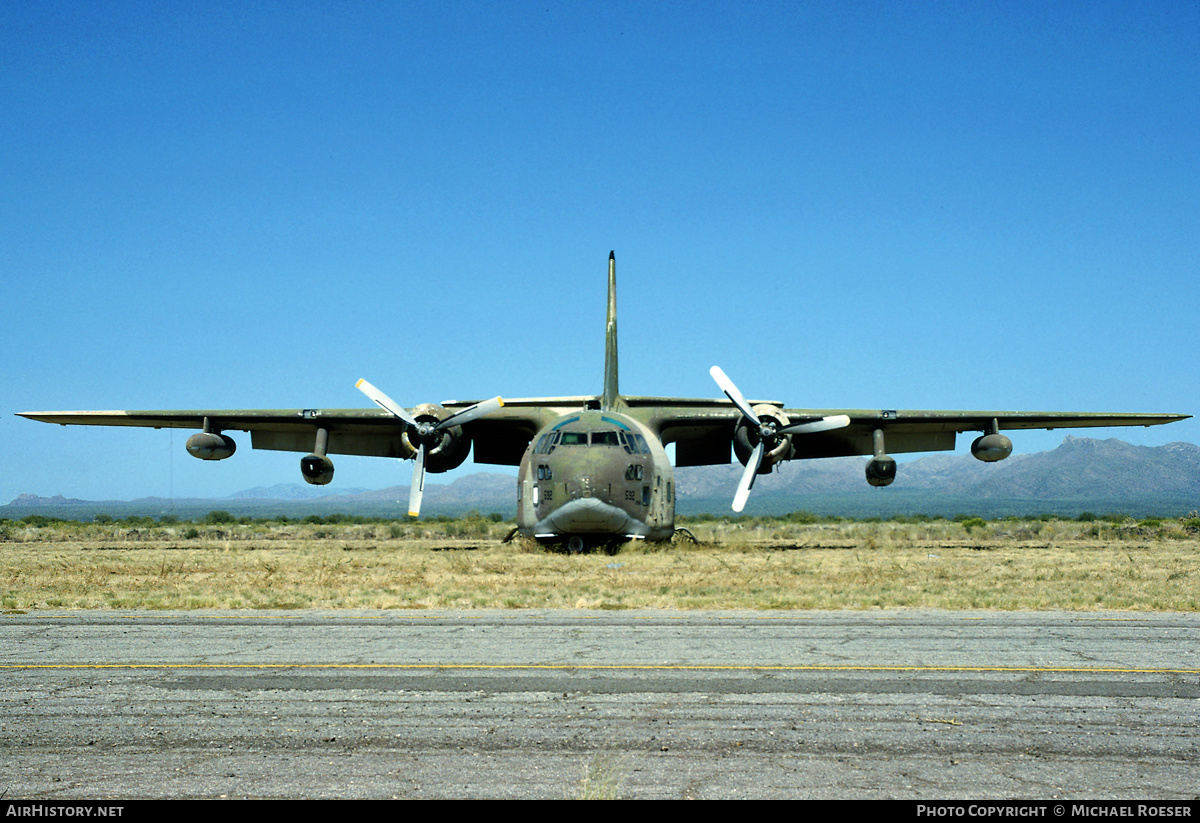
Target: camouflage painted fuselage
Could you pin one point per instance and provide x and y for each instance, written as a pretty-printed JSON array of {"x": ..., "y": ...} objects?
[{"x": 598, "y": 475}]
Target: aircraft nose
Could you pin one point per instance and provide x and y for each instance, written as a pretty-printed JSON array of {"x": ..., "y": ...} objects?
[
  {"x": 582, "y": 488},
  {"x": 590, "y": 515}
]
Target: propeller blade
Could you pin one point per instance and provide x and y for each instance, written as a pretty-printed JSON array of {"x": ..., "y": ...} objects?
[
  {"x": 471, "y": 413},
  {"x": 417, "y": 490},
  {"x": 384, "y": 402},
  {"x": 731, "y": 391},
  {"x": 837, "y": 421},
  {"x": 747, "y": 481},
  {"x": 425, "y": 433}
]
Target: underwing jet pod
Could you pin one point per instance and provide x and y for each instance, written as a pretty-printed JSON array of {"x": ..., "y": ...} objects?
[{"x": 594, "y": 468}]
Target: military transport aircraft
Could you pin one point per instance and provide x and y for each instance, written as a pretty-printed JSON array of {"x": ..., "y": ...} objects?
[{"x": 594, "y": 468}]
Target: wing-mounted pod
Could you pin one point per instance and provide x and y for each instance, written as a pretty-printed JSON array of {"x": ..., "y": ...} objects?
[
  {"x": 992, "y": 446},
  {"x": 766, "y": 433},
  {"x": 210, "y": 444},
  {"x": 317, "y": 468},
  {"x": 881, "y": 468}
]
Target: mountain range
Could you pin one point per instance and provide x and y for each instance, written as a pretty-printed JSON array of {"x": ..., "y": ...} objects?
[{"x": 1082, "y": 474}]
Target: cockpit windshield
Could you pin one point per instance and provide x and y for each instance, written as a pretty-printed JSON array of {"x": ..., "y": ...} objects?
[{"x": 632, "y": 443}]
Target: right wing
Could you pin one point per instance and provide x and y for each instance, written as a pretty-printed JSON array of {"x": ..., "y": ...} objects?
[{"x": 499, "y": 437}]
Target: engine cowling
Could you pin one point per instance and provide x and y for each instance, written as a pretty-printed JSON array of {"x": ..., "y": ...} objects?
[
  {"x": 745, "y": 438},
  {"x": 210, "y": 446},
  {"x": 449, "y": 447},
  {"x": 991, "y": 447},
  {"x": 881, "y": 471},
  {"x": 317, "y": 469}
]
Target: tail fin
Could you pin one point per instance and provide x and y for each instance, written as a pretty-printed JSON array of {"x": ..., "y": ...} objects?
[{"x": 611, "y": 398}]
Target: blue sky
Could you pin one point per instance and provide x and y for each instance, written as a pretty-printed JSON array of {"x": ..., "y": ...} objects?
[{"x": 862, "y": 205}]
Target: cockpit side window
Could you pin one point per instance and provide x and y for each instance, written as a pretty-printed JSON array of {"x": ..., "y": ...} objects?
[{"x": 626, "y": 442}]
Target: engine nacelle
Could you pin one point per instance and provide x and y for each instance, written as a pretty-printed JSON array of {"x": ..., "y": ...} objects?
[
  {"x": 210, "y": 446},
  {"x": 317, "y": 469},
  {"x": 881, "y": 471},
  {"x": 991, "y": 447},
  {"x": 745, "y": 438},
  {"x": 449, "y": 448}
]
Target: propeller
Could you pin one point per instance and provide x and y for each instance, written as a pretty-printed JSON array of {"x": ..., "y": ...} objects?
[
  {"x": 768, "y": 431},
  {"x": 424, "y": 432}
]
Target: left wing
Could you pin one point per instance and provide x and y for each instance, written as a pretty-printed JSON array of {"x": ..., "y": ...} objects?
[
  {"x": 764, "y": 434},
  {"x": 704, "y": 429}
]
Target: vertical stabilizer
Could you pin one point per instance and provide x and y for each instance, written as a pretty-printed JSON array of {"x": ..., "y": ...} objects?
[{"x": 611, "y": 398}]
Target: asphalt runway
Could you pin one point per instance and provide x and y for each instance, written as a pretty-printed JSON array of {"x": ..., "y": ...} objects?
[{"x": 527, "y": 704}]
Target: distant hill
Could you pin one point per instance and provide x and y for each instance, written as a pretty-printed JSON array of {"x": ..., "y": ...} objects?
[
  {"x": 1079, "y": 468},
  {"x": 292, "y": 491},
  {"x": 485, "y": 493},
  {"x": 1082, "y": 474}
]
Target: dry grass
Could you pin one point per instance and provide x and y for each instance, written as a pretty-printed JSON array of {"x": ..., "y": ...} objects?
[{"x": 938, "y": 564}]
